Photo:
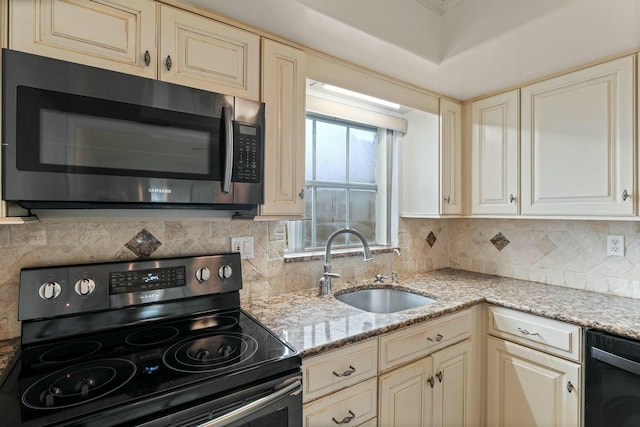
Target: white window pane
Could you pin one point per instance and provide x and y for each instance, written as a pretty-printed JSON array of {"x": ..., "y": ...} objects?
[
  {"x": 363, "y": 156},
  {"x": 362, "y": 213},
  {"x": 331, "y": 152},
  {"x": 331, "y": 214}
]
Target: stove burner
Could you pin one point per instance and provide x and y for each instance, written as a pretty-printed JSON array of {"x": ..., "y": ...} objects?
[
  {"x": 151, "y": 336},
  {"x": 79, "y": 384},
  {"x": 70, "y": 352},
  {"x": 210, "y": 353}
]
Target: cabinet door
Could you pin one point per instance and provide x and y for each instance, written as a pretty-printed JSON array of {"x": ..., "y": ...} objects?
[
  {"x": 284, "y": 93},
  {"x": 526, "y": 387},
  {"x": 111, "y": 34},
  {"x": 494, "y": 155},
  {"x": 578, "y": 142},
  {"x": 451, "y": 157},
  {"x": 406, "y": 395},
  {"x": 199, "y": 52},
  {"x": 453, "y": 395}
]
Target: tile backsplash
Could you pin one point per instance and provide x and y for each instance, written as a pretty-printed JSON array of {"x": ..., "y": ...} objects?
[{"x": 565, "y": 253}]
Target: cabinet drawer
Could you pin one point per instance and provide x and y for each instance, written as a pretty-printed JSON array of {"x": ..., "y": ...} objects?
[
  {"x": 355, "y": 405},
  {"x": 338, "y": 369},
  {"x": 548, "y": 335},
  {"x": 420, "y": 340}
]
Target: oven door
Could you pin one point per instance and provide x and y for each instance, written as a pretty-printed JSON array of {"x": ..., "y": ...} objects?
[
  {"x": 276, "y": 402},
  {"x": 612, "y": 381}
]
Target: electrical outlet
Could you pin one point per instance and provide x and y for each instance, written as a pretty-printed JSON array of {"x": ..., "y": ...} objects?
[
  {"x": 244, "y": 245},
  {"x": 615, "y": 245}
]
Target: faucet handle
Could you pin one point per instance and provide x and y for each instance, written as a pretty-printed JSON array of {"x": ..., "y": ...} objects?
[
  {"x": 379, "y": 278},
  {"x": 328, "y": 274}
]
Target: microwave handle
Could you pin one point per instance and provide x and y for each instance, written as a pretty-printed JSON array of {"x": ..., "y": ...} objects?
[{"x": 227, "y": 114}]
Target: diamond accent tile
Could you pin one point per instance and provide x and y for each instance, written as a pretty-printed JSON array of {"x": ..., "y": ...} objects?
[
  {"x": 500, "y": 241},
  {"x": 143, "y": 244},
  {"x": 431, "y": 239}
]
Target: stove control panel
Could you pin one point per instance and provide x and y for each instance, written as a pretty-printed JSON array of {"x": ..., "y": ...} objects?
[{"x": 47, "y": 292}]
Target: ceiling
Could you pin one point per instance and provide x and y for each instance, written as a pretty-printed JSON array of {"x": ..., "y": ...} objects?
[{"x": 461, "y": 48}]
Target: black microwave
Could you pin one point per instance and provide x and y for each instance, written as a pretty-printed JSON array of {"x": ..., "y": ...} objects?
[{"x": 75, "y": 136}]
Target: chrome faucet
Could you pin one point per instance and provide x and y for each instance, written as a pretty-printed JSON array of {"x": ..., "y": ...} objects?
[{"x": 325, "y": 281}]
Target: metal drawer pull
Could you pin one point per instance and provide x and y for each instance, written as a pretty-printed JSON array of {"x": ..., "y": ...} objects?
[
  {"x": 570, "y": 387},
  {"x": 448, "y": 199},
  {"x": 147, "y": 58},
  {"x": 525, "y": 332},
  {"x": 511, "y": 198},
  {"x": 437, "y": 339},
  {"x": 301, "y": 194},
  {"x": 346, "y": 373},
  {"x": 345, "y": 420},
  {"x": 439, "y": 375},
  {"x": 168, "y": 62},
  {"x": 625, "y": 195},
  {"x": 431, "y": 381}
]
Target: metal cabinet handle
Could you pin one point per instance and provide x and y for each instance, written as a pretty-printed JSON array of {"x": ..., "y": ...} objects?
[
  {"x": 431, "y": 381},
  {"x": 447, "y": 199},
  {"x": 301, "y": 194},
  {"x": 147, "y": 58},
  {"x": 346, "y": 373},
  {"x": 439, "y": 375},
  {"x": 438, "y": 338},
  {"x": 625, "y": 196},
  {"x": 570, "y": 387},
  {"x": 512, "y": 198},
  {"x": 168, "y": 62},
  {"x": 345, "y": 420},
  {"x": 525, "y": 332}
]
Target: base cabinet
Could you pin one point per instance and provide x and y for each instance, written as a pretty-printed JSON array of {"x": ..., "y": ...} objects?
[{"x": 434, "y": 391}]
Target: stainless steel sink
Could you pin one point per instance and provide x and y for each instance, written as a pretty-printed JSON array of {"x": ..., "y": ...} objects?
[{"x": 383, "y": 300}]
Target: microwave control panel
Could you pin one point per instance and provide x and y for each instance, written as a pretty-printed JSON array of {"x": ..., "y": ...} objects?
[{"x": 247, "y": 153}]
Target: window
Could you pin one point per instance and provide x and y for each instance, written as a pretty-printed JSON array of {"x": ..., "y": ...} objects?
[
  {"x": 349, "y": 157},
  {"x": 341, "y": 179}
]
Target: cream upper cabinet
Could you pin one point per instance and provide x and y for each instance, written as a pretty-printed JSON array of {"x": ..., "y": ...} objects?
[
  {"x": 526, "y": 387},
  {"x": 120, "y": 35},
  {"x": 283, "y": 92},
  {"x": 494, "y": 155},
  {"x": 112, "y": 34},
  {"x": 450, "y": 157},
  {"x": 199, "y": 52},
  {"x": 578, "y": 142},
  {"x": 431, "y": 162}
]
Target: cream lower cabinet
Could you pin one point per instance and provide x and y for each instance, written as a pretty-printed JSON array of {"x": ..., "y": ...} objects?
[
  {"x": 578, "y": 142},
  {"x": 340, "y": 386},
  {"x": 140, "y": 37},
  {"x": 440, "y": 388},
  {"x": 533, "y": 371},
  {"x": 283, "y": 92},
  {"x": 434, "y": 391}
]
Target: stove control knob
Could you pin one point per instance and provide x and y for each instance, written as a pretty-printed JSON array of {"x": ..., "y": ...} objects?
[
  {"x": 203, "y": 274},
  {"x": 225, "y": 271},
  {"x": 85, "y": 286},
  {"x": 50, "y": 290}
]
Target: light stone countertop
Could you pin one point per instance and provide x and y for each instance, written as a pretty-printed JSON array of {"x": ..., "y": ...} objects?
[{"x": 314, "y": 324}]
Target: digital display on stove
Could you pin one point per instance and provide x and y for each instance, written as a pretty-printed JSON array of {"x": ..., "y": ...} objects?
[{"x": 123, "y": 282}]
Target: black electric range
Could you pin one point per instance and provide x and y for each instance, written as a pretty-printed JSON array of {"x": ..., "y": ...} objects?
[{"x": 96, "y": 351}]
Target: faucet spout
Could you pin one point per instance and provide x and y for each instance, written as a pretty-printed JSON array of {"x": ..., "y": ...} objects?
[{"x": 325, "y": 281}]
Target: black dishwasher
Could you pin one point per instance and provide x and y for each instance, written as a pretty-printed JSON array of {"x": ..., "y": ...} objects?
[{"x": 612, "y": 380}]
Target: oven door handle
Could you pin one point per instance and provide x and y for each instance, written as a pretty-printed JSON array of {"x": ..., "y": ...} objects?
[
  {"x": 283, "y": 390},
  {"x": 227, "y": 114},
  {"x": 615, "y": 360}
]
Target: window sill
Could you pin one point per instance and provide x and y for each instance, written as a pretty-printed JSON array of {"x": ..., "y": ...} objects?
[{"x": 336, "y": 253}]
